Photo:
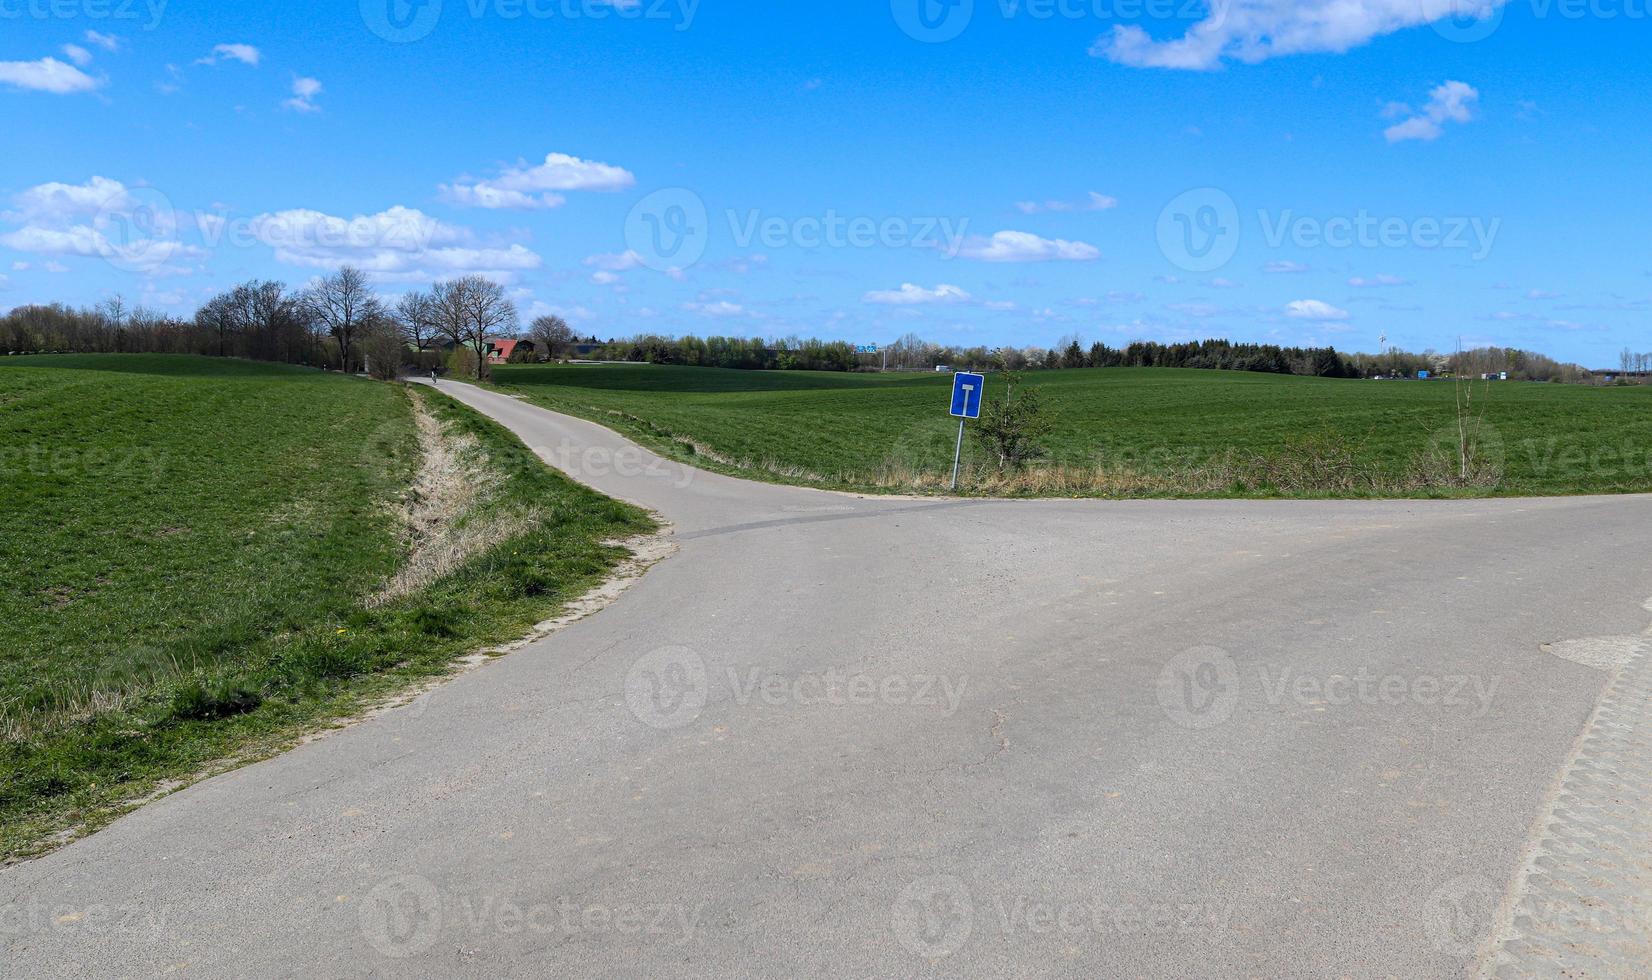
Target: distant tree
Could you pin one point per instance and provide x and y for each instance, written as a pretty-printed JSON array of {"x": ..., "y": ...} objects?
[
  {"x": 271, "y": 324},
  {"x": 418, "y": 318},
  {"x": 552, "y": 335},
  {"x": 1073, "y": 356},
  {"x": 1013, "y": 425},
  {"x": 114, "y": 310},
  {"x": 343, "y": 304},
  {"x": 472, "y": 311},
  {"x": 218, "y": 318}
]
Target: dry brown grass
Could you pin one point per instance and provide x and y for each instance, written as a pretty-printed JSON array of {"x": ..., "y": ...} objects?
[
  {"x": 1313, "y": 465},
  {"x": 1305, "y": 467},
  {"x": 443, "y": 516}
]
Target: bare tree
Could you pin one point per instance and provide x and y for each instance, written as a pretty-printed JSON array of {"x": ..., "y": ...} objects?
[
  {"x": 551, "y": 334},
  {"x": 343, "y": 304},
  {"x": 114, "y": 309},
  {"x": 420, "y": 320},
  {"x": 277, "y": 318},
  {"x": 472, "y": 311},
  {"x": 447, "y": 308}
]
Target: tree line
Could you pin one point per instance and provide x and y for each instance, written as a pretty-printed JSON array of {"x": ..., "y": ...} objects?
[
  {"x": 339, "y": 321},
  {"x": 912, "y": 353}
]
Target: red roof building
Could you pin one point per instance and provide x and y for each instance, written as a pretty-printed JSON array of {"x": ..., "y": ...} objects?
[{"x": 500, "y": 351}]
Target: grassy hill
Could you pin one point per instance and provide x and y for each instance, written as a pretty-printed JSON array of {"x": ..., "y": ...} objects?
[
  {"x": 1132, "y": 432},
  {"x": 197, "y": 557}
]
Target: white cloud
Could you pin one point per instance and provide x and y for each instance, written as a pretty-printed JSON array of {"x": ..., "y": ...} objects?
[
  {"x": 1252, "y": 31},
  {"x": 1223, "y": 283},
  {"x": 483, "y": 195},
  {"x": 618, "y": 262},
  {"x": 46, "y": 75},
  {"x": 1451, "y": 102},
  {"x": 911, "y": 295},
  {"x": 536, "y": 187},
  {"x": 1092, "y": 202},
  {"x": 746, "y": 264},
  {"x": 58, "y": 202},
  {"x": 1020, "y": 246},
  {"x": 1372, "y": 282},
  {"x": 101, "y": 218},
  {"x": 720, "y": 308},
  {"x": 1313, "y": 309},
  {"x": 602, "y": 277},
  {"x": 172, "y": 83},
  {"x": 304, "y": 92},
  {"x": 78, "y": 240},
  {"x": 246, "y": 54},
  {"x": 399, "y": 244},
  {"x": 1285, "y": 268},
  {"x": 107, "y": 42},
  {"x": 77, "y": 54}
]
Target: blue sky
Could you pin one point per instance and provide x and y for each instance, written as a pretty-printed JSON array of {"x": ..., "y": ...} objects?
[{"x": 995, "y": 173}]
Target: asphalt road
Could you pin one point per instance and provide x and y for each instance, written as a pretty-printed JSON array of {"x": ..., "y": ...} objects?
[{"x": 836, "y": 736}]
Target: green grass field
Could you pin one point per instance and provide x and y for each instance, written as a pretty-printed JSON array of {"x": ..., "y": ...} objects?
[
  {"x": 1158, "y": 432},
  {"x": 189, "y": 544}
]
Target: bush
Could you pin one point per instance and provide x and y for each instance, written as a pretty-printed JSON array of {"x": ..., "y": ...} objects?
[
  {"x": 1012, "y": 426},
  {"x": 385, "y": 353},
  {"x": 461, "y": 363}
]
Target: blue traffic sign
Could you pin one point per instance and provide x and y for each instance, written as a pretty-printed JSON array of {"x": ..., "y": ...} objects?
[{"x": 966, "y": 395}]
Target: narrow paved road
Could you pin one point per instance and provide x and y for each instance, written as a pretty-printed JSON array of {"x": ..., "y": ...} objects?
[{"x": 835, "y": 736}]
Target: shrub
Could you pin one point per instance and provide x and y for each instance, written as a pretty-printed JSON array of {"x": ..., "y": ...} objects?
[
  {"x": 1011, "y": 426},
  {"x": 461, "y": 363}
]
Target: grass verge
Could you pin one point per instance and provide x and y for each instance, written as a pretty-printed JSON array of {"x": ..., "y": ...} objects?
[
  {"x": 213, "y": 561},
  {"x": 1124, "y": 432}
]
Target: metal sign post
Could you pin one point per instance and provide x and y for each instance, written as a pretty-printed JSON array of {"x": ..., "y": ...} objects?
[{"x": 967, "y": 390}]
